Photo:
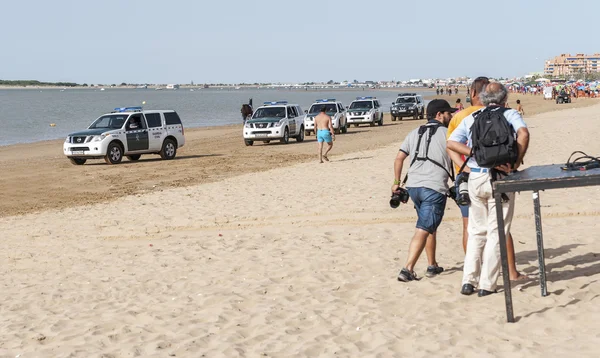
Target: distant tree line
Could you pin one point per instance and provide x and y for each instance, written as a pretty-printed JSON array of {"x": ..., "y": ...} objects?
[{"x": 36, "y": 83}]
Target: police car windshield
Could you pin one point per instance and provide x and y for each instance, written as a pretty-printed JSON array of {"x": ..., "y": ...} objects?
[
  {"x": 405, "y": 100},
  {"x": 269, "y": 112},
  {"x": 113, "y": 121},
  {"x": 361, "y": 104},
  {"x": 316, "y": 108}
]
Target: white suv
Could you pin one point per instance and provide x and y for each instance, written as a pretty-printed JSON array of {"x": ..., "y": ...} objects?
[
  {"x": 365, "y": 110},
  {"x": 408, "y": 105},
  {"x": 127, "y": 131},
  {"x": 335, "y": 110},
  {"x": 275, "y": 120}
]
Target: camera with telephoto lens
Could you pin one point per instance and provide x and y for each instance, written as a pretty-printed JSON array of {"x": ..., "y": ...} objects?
[
  {"x": 462, "y": 195},
  {"x": 399, "y": 196}
]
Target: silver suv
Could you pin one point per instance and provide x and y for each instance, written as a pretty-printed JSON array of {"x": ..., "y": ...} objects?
[
  {"x": 408, "y": 105},
  {"x": 129, "y": 132}
]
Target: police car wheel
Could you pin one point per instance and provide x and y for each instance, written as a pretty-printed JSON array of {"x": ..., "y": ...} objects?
[
  {"x": 393, "y": 118},
  {"x": 422, "y": 114},
  {"x": 114, "y": 154},
  {"x": 169, "y": 149},
  {"x": 286, "y": 136},
  {"x": 356, "y": 125},
  {"x": 267, "y": 142},
  {"x": 134, "y": 157},
  {"x": 248, "y": 143},
  {"x": 380, "y": 123},
  {"x": 77, "y": 161},
  {"x": 300, "y": 137}
]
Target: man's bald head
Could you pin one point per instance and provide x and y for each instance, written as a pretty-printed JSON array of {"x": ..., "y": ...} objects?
[{"x": 494, "y": 93}]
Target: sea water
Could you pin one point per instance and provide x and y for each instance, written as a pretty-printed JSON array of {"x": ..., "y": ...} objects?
[{"x": 30, "y": 115}]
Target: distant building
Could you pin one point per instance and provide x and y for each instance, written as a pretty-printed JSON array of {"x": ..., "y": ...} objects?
[{"x": 566, "y": 65}]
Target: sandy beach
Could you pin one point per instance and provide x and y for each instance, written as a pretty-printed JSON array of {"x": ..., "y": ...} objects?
[{"x": 233, "y": 251}]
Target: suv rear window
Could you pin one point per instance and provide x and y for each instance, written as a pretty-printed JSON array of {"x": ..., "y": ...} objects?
[
  {"x": 172, "y": 118},
  {"x": 153, "y": 120}
]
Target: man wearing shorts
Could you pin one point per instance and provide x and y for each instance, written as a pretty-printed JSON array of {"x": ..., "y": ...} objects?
[
  {"x": 325, "y": 133},
  {"x": 427, "y": 184}
]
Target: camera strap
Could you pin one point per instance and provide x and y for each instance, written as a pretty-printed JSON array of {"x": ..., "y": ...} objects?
[{"x": 431, "y": 128}]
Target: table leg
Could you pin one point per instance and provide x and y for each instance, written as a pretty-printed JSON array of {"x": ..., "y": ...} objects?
[
  {"x": 503, "y": 258},
  {"x": 540, "y": 242}
]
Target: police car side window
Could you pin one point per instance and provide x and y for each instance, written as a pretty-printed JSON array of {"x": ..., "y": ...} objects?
[
  {"x": 171, "y": 118},
  {"x": 153, "y": 120},
  {"x": 136, "y": 122},
  {"x": 291, "y": 112}
]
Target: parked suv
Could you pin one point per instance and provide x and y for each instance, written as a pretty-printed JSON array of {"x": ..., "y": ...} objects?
[
  {"x": 365, "y": 110},
  {"x": 127, "y": 131},
  {"x": 408, "y": 105},
  {"x": 275, "y": 120},
  {"x": 335, "y": 110}
]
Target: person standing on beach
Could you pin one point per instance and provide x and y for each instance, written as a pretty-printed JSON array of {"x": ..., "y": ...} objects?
[
  {"x": 520, "y": 108},
  {"x": 325, "y": 133},
  {"x": 246, "y": 112},
  {"x": 427, "y": 184},
  {"x": 459, "y": 106},
  {"x": 482, "y": 259},
  {"x": 476, "y": 88}
]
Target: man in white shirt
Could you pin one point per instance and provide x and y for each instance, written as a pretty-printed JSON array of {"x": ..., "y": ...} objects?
[{"x": 482, "y": 260}]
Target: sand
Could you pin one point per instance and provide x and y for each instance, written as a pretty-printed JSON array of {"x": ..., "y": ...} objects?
[
  {"x": 37, "y": 176},
  {"x": 292, "y": 258}
]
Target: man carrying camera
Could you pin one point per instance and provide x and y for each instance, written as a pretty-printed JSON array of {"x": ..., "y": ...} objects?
[
  {"x": 476, "y": 88},
  {"x": 487, "y": 138},
  {"x": 426, "y": 183}
]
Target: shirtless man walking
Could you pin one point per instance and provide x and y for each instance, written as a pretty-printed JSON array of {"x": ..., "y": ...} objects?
[{"x": 325, "y": 133}]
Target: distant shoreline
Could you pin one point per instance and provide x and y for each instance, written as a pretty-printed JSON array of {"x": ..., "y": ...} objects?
[{"x": 228, "y": 87}]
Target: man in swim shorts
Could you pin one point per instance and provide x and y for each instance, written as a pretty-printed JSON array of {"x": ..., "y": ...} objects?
[{"x": 325, "y": 133}]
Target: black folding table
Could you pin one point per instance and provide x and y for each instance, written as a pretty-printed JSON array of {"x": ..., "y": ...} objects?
[{"x": 535, "y": 179}]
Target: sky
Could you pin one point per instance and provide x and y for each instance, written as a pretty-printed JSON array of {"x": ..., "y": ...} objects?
[{"x": 241, "y": 41}]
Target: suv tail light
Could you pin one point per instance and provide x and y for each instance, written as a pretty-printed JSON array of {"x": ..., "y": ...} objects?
[{"x": 182, "y": 130}]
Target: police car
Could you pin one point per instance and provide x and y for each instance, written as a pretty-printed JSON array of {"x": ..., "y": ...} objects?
[
  {"x": 408, "y": 105},
  {"x": 127, "y": 131},
  {"x": 365, "y": 110},
  {"x": 275, "y": 121},
  {"x": 335, "y": 110}
]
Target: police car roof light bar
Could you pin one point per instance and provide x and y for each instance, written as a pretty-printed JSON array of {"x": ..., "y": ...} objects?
[
  {"x": 273, "y": 103},
  {"x": 359, "y": 98},
  {"x": 406, "y": 94},
  {"x": 128, "y": 109},
  {"x": 325, "y": 100}
]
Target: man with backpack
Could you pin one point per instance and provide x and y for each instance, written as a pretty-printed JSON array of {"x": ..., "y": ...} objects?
[
  {"x": 427, "y": 184},
  {"x": 495, "y": 139}
]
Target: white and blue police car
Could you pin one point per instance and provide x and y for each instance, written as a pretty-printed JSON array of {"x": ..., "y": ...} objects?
[
  {"x": 127, "y": 131},
  {"x": 335, "y": 109},
  {"x": 365, "y": 110},
  {"x": 275, "y": 121}
]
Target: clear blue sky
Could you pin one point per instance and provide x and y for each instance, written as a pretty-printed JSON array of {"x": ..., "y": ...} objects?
[{"x": 232, "y": 41}]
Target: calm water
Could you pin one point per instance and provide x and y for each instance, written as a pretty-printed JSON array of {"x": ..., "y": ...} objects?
[{"x": 26, "y": 114}]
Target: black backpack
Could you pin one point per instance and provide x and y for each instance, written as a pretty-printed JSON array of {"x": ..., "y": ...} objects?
[{"x": 493, "y": 138}]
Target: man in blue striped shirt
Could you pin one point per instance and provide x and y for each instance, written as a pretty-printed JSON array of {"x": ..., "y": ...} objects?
[{"x": 482, "y": 260}]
